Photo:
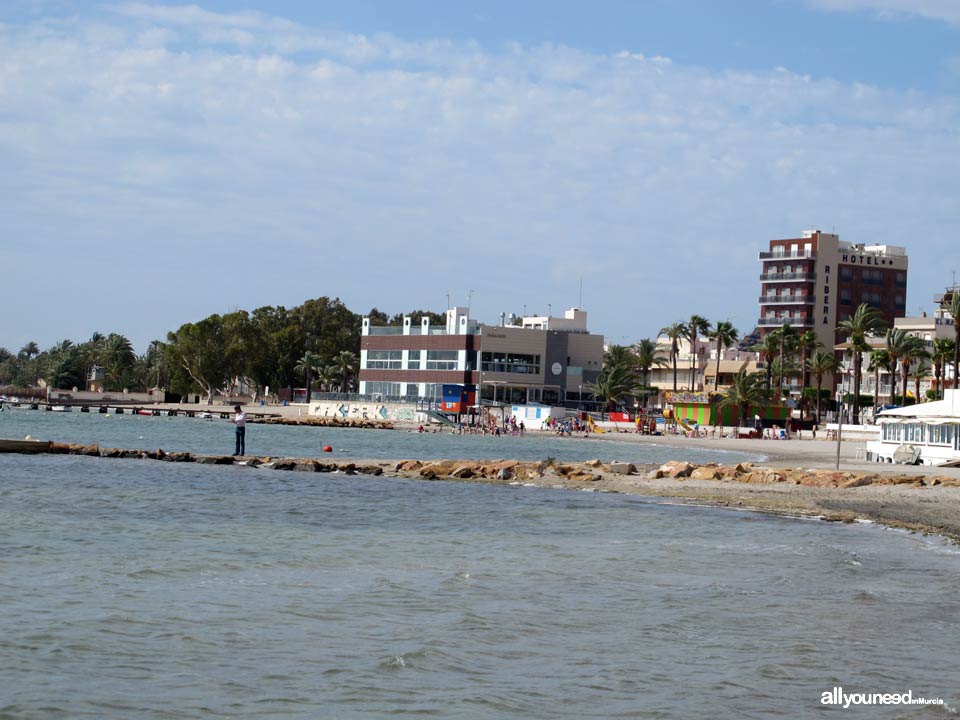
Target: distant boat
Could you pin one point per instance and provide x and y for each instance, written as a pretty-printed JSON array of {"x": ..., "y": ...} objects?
[
  {"x": 61, "y": 408},
  {"x": 205, "y": 415}
]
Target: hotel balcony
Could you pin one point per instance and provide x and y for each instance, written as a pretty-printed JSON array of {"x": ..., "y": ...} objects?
[
  {"x": 799, "y": 255},
  {"x": 777, "y": 322},
  {"x": 788, "y": 277},
  {"x": 786, "y": 300}
]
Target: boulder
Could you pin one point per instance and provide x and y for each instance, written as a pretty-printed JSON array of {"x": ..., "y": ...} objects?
[
  {"x": 705, "y": 473},
  {"x": 59, "y": 448},
  {"x": 504, "y": 474},
  {"x": 215, "y": 459},
  {"x": 858, "y": 481},
  {"x": 622, "y": 468},
  {"x": 178, "y": 457},
  {"x": 595, "y": 463},
  {"x": 464, "y": 472},
  {"x": 676, "y": 469},
  {"x": 409, "y": 465}
]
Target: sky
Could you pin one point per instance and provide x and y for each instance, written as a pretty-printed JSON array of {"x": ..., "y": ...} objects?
[{"x": 162, "y": 162}]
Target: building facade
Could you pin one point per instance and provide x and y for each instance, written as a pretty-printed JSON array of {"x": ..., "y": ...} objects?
[
  {"x": 817, "y": 281},
  {"x": 522, "y": 360}
]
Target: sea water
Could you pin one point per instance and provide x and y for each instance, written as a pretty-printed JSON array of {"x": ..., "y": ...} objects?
[
  {"x": 216, "y": 436},
  {"x": 138, "y": 589}
]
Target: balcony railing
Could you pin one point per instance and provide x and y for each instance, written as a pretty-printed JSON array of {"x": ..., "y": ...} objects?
[
  {"x": 796, "y": 322},
  {"x": 799, "y": 255},
  {"x": 786, "y": 299},
  {"x": 786, "y": 277}
]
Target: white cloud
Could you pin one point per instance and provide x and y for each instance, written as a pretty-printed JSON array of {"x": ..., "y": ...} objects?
[
  {"x": 270, "y": 162},
  {"x": 943, "y": 10}
]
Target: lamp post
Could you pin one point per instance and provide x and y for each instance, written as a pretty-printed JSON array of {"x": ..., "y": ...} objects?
[{"x": 839, "y": 422}]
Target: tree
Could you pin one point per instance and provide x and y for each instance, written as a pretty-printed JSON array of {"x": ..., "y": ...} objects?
[
  {"x": 647, "y": 356},
  {"x": 29, "y": 351},
  {"x": 879, "y": 360},
  {"x": 674, "y": 332},
  {"x": 786, "y": 335},
  {"x": 942, "y": 352},
  {"x": 615, "y": 382},
  {"x": 920, "y": 370},
  {"x": 345, "y": 364},
  {"x": 864, "y": 321},
  {"x": 768, "y": 350},
  {"x": 902, "y": 348},
  {"x": 694, "y": 327},
  {"x": 725, "y": 335},
  {"x": 116, "y": 356},
  {"x": 745, "y": 391},
  {"x": 819, "y": 364},
  {"x": 619, "y": 355},
  {"x": 201, "y": 351},
  {"x": 952, "y": 305},
  {"x": 309, "y": 364},
  {"x": 806, "y": 343}
]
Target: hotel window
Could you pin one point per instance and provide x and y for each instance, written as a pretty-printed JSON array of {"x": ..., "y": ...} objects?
[
  {"x": 413, "y": 360},
  {"x": 846, "y": 272},
  {"x": 845, "y": 298},
  {"x": 442, "y": 359},
  {"x": 901, "y": 279},
  {"x": 384, "y": 359}
]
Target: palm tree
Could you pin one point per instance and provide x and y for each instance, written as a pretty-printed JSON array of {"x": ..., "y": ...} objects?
[
  {"x": 768, "y": 351},
  {"x": 615, "y": 383},
  {"x": 786, "y": 335},
  {"x": 30, "y": 350},
  {"x": 674, "y": 332},
  {"x": 921, "y": 370},
  {"x": 901, "y": 347},
  {"x": 647, "y": 356},
  {"x": 694, "y": 327},
  {"x": 821, "y": 363},
  {"x": 806, "y": 343},
  {"x": 953, "y": 307},
  {"x": 619, "y": 355},
  {"x": 879, "y": 360},
  {"x": 745, "y": 390},
  {"x": 726, "y": 335},
  {"x": 345, "y": 363},
  {"x": 864, "y": 321},
  {"x": 916, "y": 352},
  {"x": 309, "y": 364},
  {"x": 942, "y": 352}
]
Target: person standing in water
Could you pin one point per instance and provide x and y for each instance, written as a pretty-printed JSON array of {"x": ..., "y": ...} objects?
[{"x": 240, "y": 420}]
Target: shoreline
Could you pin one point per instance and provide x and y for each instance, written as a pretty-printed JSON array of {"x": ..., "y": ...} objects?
[{"x": 797, "y": 478}]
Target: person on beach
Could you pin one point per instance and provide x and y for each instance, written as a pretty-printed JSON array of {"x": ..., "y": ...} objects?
[{"x": 240, "y": 421}]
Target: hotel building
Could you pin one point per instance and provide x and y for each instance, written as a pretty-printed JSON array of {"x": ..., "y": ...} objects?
[
  {"x": 541, "y": 359},
  {"x": 816, "y": 281}
]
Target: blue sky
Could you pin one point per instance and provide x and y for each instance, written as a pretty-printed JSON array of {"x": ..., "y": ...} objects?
[{"x": 166, "y": 161}]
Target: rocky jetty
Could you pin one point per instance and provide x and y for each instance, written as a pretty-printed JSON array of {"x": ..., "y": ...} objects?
[{"x": 362, "y": 423}]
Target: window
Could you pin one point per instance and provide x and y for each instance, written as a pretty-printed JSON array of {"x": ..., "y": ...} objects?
[
  {"x": 846, "y": 272},
  {"x": 901, "y": 279},
  {"x": 384, "y": 359},
  {"x": 941, "y": 434},
  {"x": 510, "y": 362},
  {"x": 845, "y": 297},
  {"x": 383, "y": 389},
  {"x": 413, "y": 360},
  {"x": 441, "y": 359},
  {"x": 413, "y": 390}
]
